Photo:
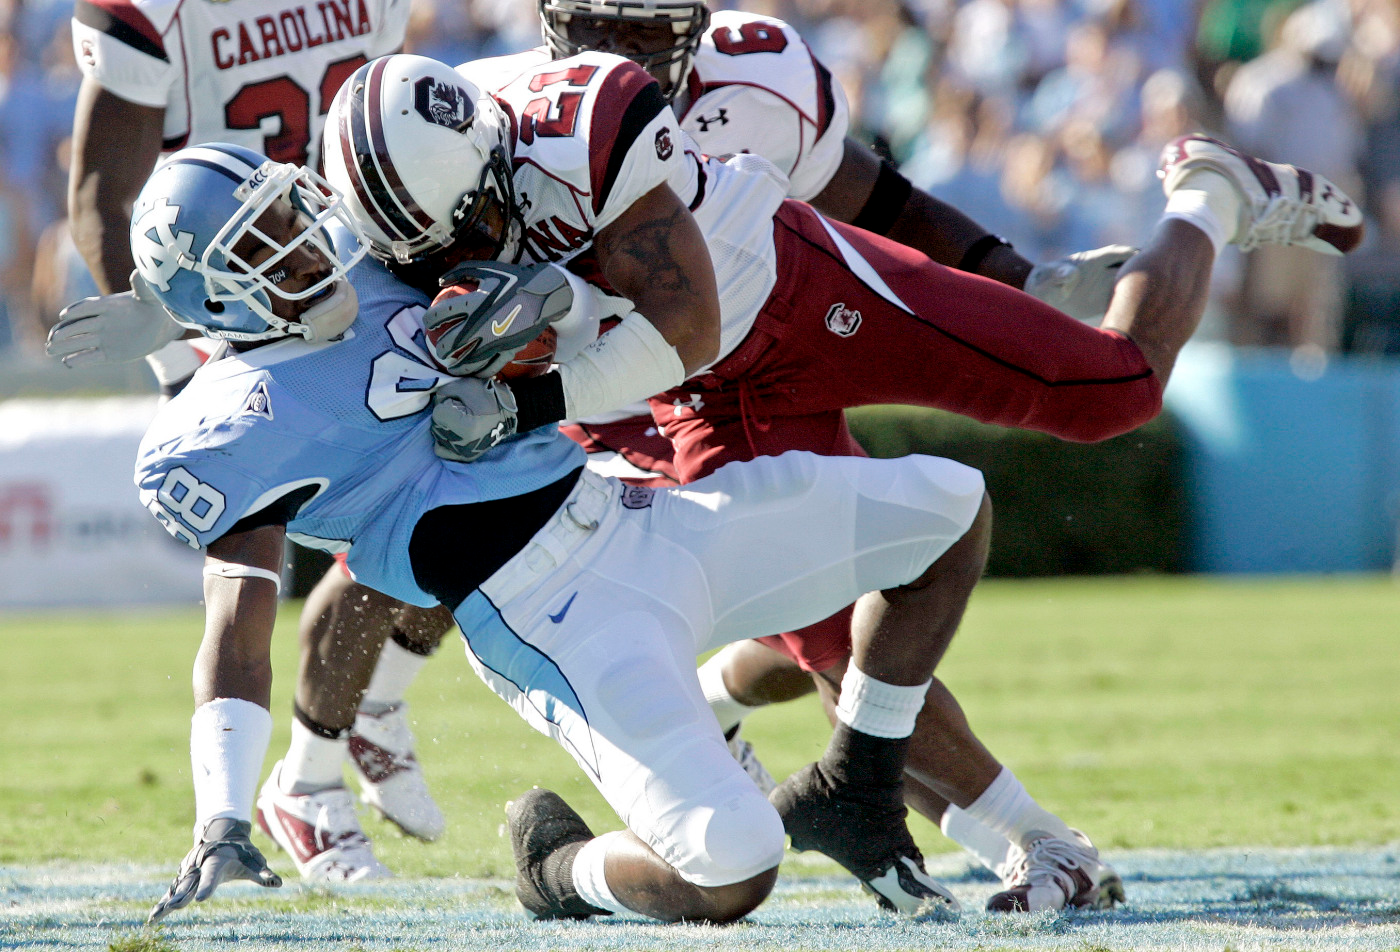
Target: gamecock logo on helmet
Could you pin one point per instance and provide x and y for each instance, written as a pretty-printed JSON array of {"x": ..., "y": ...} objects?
[{"x": 443, "y": 104}]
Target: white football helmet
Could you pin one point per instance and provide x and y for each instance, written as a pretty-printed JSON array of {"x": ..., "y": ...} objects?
[
  {"x": 423, "y": 157},
  {"x": 202, "y": 216},
  {"x": 689, "y": 19}
]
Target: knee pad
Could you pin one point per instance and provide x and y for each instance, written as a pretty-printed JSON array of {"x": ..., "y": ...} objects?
[{"x": 734, "y": 840}]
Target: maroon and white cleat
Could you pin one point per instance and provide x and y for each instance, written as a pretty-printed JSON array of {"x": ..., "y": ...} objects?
[
  {"x": 391, "y": 779},
  {"x": 1279, "y": 204},
  {"x": 319, "y": 831}
]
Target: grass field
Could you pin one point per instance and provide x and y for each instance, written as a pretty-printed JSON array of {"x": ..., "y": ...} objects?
[{"x": 1157, "y": 714}]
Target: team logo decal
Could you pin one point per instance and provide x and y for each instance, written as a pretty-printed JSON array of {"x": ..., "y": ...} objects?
[
  {"x": 637, "y": 497},
  {"x": 159, "y": 250},
  {"x": 443, "y": 104},
  {"x": 719, "y": 118},
  {"x": 842, "y": 321},
  {"x": 258, "y": 402},
  {"x": 691, "y": 402},
  {"x": 664, "y": 148},
  {"x": 88, "y": 52}
]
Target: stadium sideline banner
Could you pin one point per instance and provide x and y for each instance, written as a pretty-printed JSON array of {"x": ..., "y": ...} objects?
[{"x": 72, "y": 530}]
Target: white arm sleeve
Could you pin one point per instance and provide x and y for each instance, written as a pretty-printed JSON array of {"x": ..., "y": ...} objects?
[
  {"x": 630, "y": 362},
  {"x": 579, "y": 328}
]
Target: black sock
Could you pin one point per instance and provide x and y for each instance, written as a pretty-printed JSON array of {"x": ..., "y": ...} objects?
[
  {"x": 856, "y": 761},
  {"x": 557, "y": 880}
]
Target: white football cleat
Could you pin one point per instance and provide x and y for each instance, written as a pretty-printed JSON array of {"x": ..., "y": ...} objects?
[
  {"x": 1051, "y": 873},
  {"x": 391, "y": 779},
  {"x": 743, "y": 752},
  {"x": 1279, "y": 204},
  {"x": 319, "y": 831}
]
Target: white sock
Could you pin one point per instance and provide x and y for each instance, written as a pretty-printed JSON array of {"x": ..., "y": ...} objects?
[
  {"x": 313, "y": 762},
  {"x": 1207, "y": 200},
  {"x": 589, "y": 881},
  {"x": 228, "y": 741},
  {"x": 990, "y": 848},
  {"x": 877, "y": 708},
  {"x": 729, "y": 712},
  {"x": 1007, "y": 808},
  {"x": 395, "y": 671}
]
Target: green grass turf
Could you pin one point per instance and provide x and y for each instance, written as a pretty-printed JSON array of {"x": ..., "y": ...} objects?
[{"x": 1167, "y": 712}]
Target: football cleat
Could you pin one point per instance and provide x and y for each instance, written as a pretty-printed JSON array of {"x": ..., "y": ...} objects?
[
  {"x": 1052, "y": 873},
  {"x": 541, "y": 824},
  {"x": 743, "y": 752},
  {"x": 870, "y": 840},
  {"x": 1279, "y": 204},
  {"x": 391, "y": 779},
  {"x": 319, "y": 831}
]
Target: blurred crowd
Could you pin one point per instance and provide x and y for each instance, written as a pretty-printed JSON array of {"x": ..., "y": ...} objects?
[{"x": 1042, "y": 119}]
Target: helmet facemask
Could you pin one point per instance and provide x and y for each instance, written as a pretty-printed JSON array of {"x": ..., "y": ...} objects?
[
  {"x": 230, "y": 276},
  {"x": 670, "y": 65}
]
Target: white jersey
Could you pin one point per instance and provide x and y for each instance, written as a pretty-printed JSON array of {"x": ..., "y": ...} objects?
[
  {"x": 593, "y": 135},
  {"x": 756, "y": 87},
  {"x": 256, "y": 73}
]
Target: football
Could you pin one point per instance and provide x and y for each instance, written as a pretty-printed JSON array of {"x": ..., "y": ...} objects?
[{"x": 533, "y": 359}]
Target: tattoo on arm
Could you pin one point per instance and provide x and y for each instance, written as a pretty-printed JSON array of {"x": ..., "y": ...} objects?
[{"x": 646, "y": 250}]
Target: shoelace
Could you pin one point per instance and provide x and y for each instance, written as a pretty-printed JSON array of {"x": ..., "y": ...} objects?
[
  {"x": 1050, "y": 862},
  {"x": 337, "y": 825},
  {"x": 1282, "y": 221}
]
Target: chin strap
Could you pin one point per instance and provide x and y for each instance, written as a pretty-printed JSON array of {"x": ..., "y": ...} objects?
[{"x": 332, "y": 317}]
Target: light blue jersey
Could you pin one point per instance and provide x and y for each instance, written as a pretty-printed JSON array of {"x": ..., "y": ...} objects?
[{"x": 345, "y": 423}]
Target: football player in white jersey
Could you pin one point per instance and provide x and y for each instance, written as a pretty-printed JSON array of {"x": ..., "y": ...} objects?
[{"x": 584, "y": 602}]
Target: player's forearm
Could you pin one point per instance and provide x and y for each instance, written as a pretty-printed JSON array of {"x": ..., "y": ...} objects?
[
  {"x": 872, "y": 194},
  {"x": 101, "y": 233},
  {"x": 240, "y": 608},
  {"x": 951, "y": 238}
]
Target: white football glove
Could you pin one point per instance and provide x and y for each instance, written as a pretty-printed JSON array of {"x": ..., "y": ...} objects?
[
  {"x": 1080, "y": 284},
  {"x": 112, "y": 329},
  {"x": 470, "y": 416},
  {"x": 223, "y": 852},
  {"x": 478, "y": 333}
]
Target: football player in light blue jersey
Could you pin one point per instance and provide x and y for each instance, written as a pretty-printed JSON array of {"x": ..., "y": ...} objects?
[{"x": 583, "y": 603}]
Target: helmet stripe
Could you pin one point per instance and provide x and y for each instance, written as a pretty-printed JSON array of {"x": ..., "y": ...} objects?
[
  {"x": 355, "y": 151},
  {"x": 377, "y": 183},
  {"x": 227, "y": 163},
  {"x": 404, "y": 199}
]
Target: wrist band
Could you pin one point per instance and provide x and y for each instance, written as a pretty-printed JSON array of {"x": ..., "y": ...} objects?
[{"x": 977, "y": 252}]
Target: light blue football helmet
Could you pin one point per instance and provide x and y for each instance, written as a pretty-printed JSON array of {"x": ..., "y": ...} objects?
[{"x": 201, "y": 204}]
